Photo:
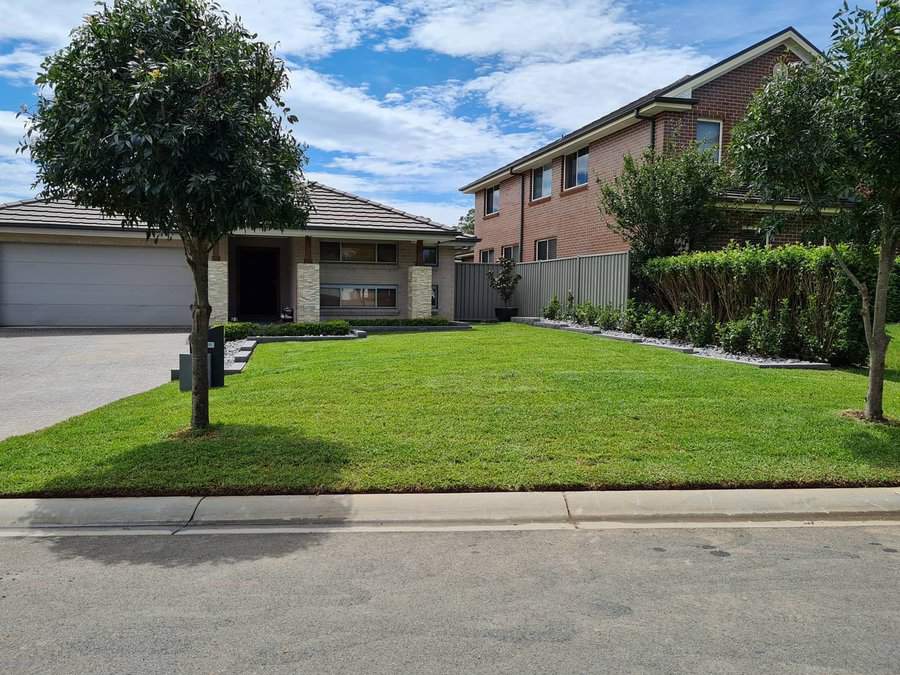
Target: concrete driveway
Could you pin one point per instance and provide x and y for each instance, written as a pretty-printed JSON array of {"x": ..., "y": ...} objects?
[{"x": 50, "y": 375}]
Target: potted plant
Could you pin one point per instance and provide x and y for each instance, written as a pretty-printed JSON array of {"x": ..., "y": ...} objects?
[{"x": 505, "y": 282}]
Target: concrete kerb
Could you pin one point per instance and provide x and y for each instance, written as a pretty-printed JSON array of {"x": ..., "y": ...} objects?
[{"x": 503, "y": 510}]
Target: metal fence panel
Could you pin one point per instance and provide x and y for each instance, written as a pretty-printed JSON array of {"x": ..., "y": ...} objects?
[{"x": 601, "y": 279}]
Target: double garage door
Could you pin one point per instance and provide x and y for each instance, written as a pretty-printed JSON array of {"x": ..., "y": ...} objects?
[{"x": 82, "y": 285}]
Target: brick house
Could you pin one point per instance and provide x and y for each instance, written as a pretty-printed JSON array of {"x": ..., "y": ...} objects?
[
  {"x": 66, "y": 265},
  {"x": 545, "y": 205}
]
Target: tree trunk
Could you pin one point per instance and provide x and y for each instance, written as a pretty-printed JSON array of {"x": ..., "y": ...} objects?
[
  {"x": 199, "y": 262},
  {"x": 878, "y": 342}
]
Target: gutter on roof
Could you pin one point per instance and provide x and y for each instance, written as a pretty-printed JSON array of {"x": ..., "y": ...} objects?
[{"x": 661, "y": 101}]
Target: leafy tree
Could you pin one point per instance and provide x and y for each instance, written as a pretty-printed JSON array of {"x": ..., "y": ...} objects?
[
  {"x": 664, "y": 204},
  {"x": 506, "y": 280},
  {"x": 466, "y": 223},
  {"x": 168, "y": 114},
  {"x": 829, "y": 131}
]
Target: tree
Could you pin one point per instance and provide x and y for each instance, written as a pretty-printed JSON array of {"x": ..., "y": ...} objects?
[
  {"x": 506, "y": 280},
  {"x": 168, "y": 114},
  {"x": 665, "y": 203},
  {"x": 466, "y": 223},
  {"x": 830, "y": 131}
]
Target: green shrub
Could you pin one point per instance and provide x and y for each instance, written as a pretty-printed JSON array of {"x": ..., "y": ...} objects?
[
  {"x": 811, "y": 308},
  {"x": 734, "y": 336},
  {"x": 608, "y": 317},
  {"x": 586, "y": 313},
  {"x": 553, "y": 311},
  {"x": 893, "y": 312},
  {"x": 653, "y": 324},
  {"x": 241, "y": 330},
  {"x": 631, "y": 317},
  {"x": 702, "y": 328},
  {"x": 679, "y": 328},
  {"x": 569, "y": 311},
  {"x": 428, "y": 321},
  {"x": 766, "y": 336}
]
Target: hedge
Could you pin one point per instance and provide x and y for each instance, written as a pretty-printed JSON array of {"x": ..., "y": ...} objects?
[
  {"x": 243, "y": 329},
  {"x": 430, "y": 321},
  {"x": 795, "y": 298}
]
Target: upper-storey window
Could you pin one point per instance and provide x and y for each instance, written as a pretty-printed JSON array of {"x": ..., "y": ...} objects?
[
  {"x": 542, "y": 181},
  {"x": 492, "y": 200},
  {"x": 709, "y": 137},
  {"x": 575, "y": 172}
]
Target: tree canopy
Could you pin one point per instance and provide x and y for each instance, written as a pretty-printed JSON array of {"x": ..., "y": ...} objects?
[
  {"x": 828, "y": 133},
  {"x": 664, "y": 203},
  {"x": 168, "y": 114}
]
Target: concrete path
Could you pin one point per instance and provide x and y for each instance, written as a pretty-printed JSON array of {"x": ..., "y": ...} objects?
[
  {"x": 47, "y": 376},
  {"x": 548, "y": 510},
  {"x": 818, "y": 600}
]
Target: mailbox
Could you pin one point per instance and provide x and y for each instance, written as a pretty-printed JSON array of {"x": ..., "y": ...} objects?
[{"x": 215, "y": 359}]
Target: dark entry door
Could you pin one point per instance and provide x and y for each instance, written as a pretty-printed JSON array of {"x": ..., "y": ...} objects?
[{"x": 258, "y": 282}]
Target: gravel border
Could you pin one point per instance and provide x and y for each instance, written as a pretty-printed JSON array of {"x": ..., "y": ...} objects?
[{"x": 716, "y": 353}]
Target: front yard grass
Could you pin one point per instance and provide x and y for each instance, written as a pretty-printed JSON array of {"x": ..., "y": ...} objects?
[{"x": 500, "y": 407}]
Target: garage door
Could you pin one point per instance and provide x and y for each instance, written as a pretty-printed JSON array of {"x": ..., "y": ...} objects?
[{"x": 63, "y": 285}]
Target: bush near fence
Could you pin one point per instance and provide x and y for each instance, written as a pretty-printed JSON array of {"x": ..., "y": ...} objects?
[{"x": 791, "y": 301}]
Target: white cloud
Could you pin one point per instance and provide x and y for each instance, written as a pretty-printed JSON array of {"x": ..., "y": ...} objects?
[
  {"x": 558, "y": 29},
  {"x": 21, "y": 64},
  {"x": 565, "y": 96},
  {"x": 415, "y": 144}
]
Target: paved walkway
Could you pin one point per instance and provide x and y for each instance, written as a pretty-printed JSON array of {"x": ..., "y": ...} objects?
[
  {"x": 47, "y": 376},
  {"x": 504, "y": 510}
]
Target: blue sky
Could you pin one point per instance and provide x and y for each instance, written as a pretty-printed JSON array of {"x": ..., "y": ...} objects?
[{"x": 403, "y": 102}]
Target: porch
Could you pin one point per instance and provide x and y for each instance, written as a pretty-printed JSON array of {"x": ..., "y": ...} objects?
[{"x": 312, "y": 278}]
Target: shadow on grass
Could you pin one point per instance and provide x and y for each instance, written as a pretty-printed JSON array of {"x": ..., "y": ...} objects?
[
  {"x": 876, "y": 444},
  {"x": 233, "y": 460}
]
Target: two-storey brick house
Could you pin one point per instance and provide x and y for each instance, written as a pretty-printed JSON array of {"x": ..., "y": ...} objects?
[{"x": 545, "y": 205}]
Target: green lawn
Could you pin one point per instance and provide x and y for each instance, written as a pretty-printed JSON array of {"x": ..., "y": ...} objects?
[{"x": 499, "y": 407}]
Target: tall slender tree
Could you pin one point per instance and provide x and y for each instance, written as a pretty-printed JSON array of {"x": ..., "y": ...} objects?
[
  {"x": 169, "y": 115},
  {"x": 830, "y": 131}
]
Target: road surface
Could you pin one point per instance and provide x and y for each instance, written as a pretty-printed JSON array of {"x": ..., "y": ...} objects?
[{"x": 802, "y": 600}]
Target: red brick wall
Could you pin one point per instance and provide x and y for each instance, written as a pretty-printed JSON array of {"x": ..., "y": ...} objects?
[
  {"x": 573, "y": 217},
  {"x": 725, "y": 99}
]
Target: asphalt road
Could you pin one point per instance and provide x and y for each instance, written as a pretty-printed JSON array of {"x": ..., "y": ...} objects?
[
  {"x": 48, "y": 375},
  {"x": 692, "y": 600}
]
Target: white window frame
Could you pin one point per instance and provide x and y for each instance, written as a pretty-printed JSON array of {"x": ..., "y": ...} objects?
[
  {"x": 509, "y": 246},
  {"x": 544, "y": 169},
  {"x": 565, "y": 163},
  {"x": 482, "y": 252},
  {"x": 494, "y": 203},
  {"x": 721, "y": 129},
  {"x": 547, "y": 239},
  {"x": 435, "y": 297}
]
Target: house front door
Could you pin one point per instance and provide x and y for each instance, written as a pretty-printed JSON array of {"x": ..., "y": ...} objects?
[{"x": 259, "y": 276}]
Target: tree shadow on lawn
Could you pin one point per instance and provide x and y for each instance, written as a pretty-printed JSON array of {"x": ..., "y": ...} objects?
[
  {"x": 234, "y": 460},
  {"x": 878, "y": 445}
]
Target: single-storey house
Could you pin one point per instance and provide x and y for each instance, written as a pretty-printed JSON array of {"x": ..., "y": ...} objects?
[{"x": 65, "y": 265}]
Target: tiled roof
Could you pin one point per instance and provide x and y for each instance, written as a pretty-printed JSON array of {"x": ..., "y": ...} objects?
[
  {"x": 634, "y": 106},
  {"x": 332, "y": 210}
]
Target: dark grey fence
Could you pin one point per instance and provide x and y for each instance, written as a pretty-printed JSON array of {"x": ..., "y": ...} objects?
[{"x": 602, "y": 279}]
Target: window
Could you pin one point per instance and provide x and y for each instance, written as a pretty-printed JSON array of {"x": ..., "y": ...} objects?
[
  {"x": 486, "y": 255},
  {"x": 358, "y": 297},
  {"x": 492, "y": 200},
  {"x": 430, "y": 255},
  {"x": 576, "y": 169},
  {"x": 709, "y": 137},
  {"x": 510, "y": 252},
  {"x": 545, "y": 249},
  {"x": 434, "y": 297},
  {"x": 542, "y": 182},
  {"x": 346, "y": 251}
]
